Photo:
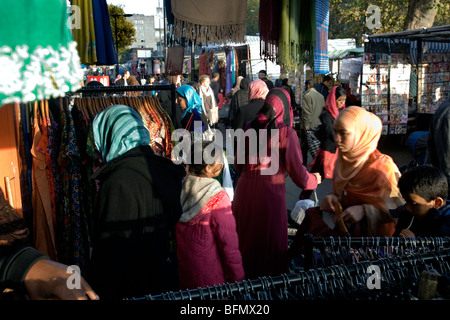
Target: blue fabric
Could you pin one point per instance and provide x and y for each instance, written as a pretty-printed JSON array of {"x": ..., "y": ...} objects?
[
  {"x": 321, "y": 60},
  {"x": 193, "y": 100},
  {"x": 106, "y": 51}
]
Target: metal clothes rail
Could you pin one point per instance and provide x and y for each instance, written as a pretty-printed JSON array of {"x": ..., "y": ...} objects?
[
  {"x": 323, "y": 278},
  {"x": 115, "y": 89}
]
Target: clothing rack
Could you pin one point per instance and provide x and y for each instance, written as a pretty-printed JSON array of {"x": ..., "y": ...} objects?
[
  {"x": 115, "y": 89},
  {"x": 360, "y": 242},
  {"x": 396, "y": 274}
]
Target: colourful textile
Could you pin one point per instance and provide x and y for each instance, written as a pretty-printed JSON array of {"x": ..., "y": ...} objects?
[
  {"x": 38, "y": 57},
  {"x": 259, "y": 203},
  {"x": 321, "y": 61},
  {"x": 118, "y": 129},
  {"x": 207, "y": 241}
]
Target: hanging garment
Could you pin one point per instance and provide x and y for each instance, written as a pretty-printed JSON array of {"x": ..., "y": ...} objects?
[
  {"x": 203, "y": 64},
  {"x": 210, "y": 21},
  {"x": 321, "y": 61},
  {"x": 175, "y": 59},
  {"x": 38, "y": 57},
  {"x": 297, "y": 33},
  {"x": 106, "y": 51},
  {"x": 85, "y": 35},
  {"x": 43, "y": 226},
  {"x": 269, "y": 28}
]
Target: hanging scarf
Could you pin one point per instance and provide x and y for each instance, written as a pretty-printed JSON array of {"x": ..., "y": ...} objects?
[
  {"x": 193, "y": 100},
  {"x": 321, "y": 61},
  {"x": 269, "y": 28},
  {"x": 85, "y": 35},
  {"x": 118, "y": 129},
  {"x": 38, "y": 57},
  {"x": 297, "y": 33},
  {"x": 210, "y": 21}
]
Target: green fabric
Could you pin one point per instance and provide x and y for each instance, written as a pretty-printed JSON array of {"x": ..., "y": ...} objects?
[
  {"x": 38, "y": 57},
  {"x": 118, "y": 129},
  {"x": 297, "y": 33}
]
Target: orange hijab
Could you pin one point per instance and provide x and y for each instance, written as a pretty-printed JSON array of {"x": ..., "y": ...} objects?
[{"x": 363, "y": 171}]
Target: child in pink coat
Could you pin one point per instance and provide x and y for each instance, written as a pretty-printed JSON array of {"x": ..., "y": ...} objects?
[{"x": 207, "y": 241}]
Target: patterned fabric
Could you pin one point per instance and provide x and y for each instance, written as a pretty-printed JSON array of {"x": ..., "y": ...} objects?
[
  {"x": 321, "y": 61},
  {"x": 118, "y": 129},
  {"x": 85, "y": 35},
  {"x": 74, "y": 240}
]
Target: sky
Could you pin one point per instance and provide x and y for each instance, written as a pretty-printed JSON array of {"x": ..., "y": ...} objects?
[{"x": 146, "y": 7}]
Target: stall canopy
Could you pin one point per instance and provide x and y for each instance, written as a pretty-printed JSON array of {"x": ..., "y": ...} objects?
[
  {"x": 417, "y": 42},
  {"x": 345, "y": 53}
]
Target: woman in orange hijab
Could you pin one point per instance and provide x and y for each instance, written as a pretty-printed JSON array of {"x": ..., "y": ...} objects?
[{"x": 364, "y": 182}]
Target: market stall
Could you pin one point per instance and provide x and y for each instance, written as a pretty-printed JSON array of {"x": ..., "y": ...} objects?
[{"x": 405, "y": 77}]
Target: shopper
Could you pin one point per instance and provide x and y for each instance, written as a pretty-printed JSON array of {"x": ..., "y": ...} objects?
[
  {"x": 191, "y": 106},
  {"x": 137, "y": 208},
  {"x": 323, "y": 87},
  {"x": 427, "y": 211},
  {"x": 209, "y": 103},
  {"x": 208, "y": 246},
  {"x": 257, "y": 94},
  {"x": 326, "y": 155},
  {"x": 239, "y": 99},
  {"x": 31, "y": 274},
  {"x": 313, "y": 104},
  {"x": 364, "y": 182},
  {"x": 259, "y": 204},
  {"x": 262, "y": 75}
]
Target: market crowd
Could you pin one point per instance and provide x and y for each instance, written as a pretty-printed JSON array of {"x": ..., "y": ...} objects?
[{"x": 161, "y": 226}]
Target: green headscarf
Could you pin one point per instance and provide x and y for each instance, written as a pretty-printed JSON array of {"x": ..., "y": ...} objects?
[{"x": 118, "y": 129}]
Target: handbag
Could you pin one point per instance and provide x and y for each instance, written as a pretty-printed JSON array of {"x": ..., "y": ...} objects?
[{"x": 313, "y": 142}]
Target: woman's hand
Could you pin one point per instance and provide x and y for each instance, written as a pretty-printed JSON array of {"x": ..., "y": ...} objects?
[
  {"x": 318, "y": 176},
  {"x": 406, "y": 233},
  {"x": 352, "y": 214},
  {"x": 327, "y": 203}
]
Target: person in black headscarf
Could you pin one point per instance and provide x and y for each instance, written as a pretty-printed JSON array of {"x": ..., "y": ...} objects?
[{"x": 239, "y": 99}]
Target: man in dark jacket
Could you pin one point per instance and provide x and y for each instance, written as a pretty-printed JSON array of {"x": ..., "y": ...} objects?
[
  {"x": 323, "y": 87},
  {"x": 138, "y": 205},
  {"x": 262, "y": 74},
  {"x": 438, "y": 153}
]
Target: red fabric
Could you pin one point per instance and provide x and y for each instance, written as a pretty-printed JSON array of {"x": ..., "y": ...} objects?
[
  {"x": 259, "y": 206},
  {"x": 221, "y": 101},
  {"x": 207, "y": 246},
  {"x": 203, "y": 65},
  {"x": 330, "y": 103},
  {"x": 324, "y": 163}
]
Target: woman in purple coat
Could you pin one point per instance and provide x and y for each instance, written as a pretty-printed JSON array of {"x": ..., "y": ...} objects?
[{"x": 259, "y": 203}]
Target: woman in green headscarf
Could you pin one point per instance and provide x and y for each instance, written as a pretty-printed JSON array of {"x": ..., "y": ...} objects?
[{"x": 138, "y": 205}]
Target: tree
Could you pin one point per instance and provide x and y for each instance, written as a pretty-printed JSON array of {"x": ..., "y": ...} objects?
[
  {"x": 348, "y": 18},
  {"x": 252, "y": 17},
  {"x": 125, "y": 30}
]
